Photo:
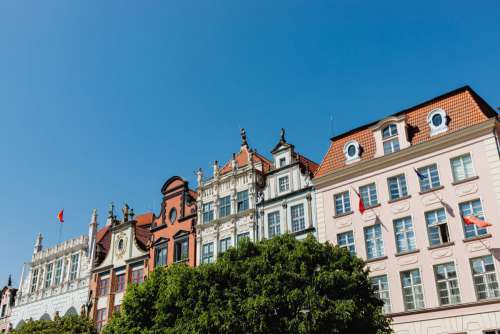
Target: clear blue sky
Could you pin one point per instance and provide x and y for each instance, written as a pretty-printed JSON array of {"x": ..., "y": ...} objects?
[{"x": 104, "y": 100}]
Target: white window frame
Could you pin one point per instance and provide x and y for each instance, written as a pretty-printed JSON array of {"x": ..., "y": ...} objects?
[
  {"x": 343, "y": 240},
  {"x": 345, "y": 203},
  {"x": 377, "y": 241},
  {"x": 207, "y": 253},
  {"x": 491, "y": 292},
  {"x": 368, "y": 201},
  {"x": 273, "y": 224},
  {"x": 399, "y": 187},
  {"x": 390, "y": 139},
  {"x": 413, "y": 286},
  {"x": 383, "y": 294},
  {"x": 437, "y": 224},
  {"x": 207, "y": 212},
  {"x": 408, "y": 234},
  {"x": 452, "y": 299},
  {"x": 298, "y": 223},
  {"x": 227, "y": 244},
  {"x": 462, "y": 165},
  {"x": 357, "y": 151},
  {"x": 426, "y": 172},
  {"x": 286, "y": 184},
  {"x": 478, "y": 231}
]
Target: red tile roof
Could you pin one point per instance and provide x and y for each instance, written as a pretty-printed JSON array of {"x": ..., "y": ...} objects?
[
  {"x": 308, "y": 164},
  {"x": 463, "y": 107},
  {"x": 242, "y": 160},
  {"x": 144, "y": 219}
]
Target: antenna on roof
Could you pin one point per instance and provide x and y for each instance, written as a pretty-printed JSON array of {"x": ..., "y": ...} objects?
[{"x": 331, "y": 125}]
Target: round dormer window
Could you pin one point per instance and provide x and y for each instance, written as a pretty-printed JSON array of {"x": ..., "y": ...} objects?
[
  {"x": 437, "y": 121},
  {"x": 351, "y": 151}
]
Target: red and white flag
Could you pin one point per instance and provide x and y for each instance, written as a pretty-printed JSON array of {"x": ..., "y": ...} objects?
[
  {"x": 60, "y": 216},
  {"x": 473, "y": 220},
  {"x": 361, "y": 204}
]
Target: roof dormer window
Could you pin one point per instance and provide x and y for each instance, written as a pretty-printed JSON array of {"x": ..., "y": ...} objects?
[
  {"x": 437, "y": 120},
  {"x": 352, "y": 151},
  {"x": 390, "y": 139}
]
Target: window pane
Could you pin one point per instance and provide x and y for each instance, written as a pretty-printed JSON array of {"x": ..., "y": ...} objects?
[
  {"x": 430, "y": 178},
  {"x": 374, "y": 242},
  {"x": 405, "y": 237},
  {"x": 462, "y": 167},
  {"x": 298, "y": 219},
  {"x": 346, "y": 240},
  {"x": 273, "y": 221},
  {"x": 224, "y": 206},
  {"x": 472, "y": 208},
  {"x": 242, "y": 200},
  {"x": 381, "y": 287},
  {"x": 412, "y": 290},
  {"x": 368, "y": 194},
  {"x": 484, "y": 277},
  {"x": 342, "y": 203}
]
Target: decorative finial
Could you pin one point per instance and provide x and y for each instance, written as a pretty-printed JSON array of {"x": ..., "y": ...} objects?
[
  {"x": 199, "y": 176},
  {"x": 216, "y": 168},
  {"x": 111, "y": 211},
  {"x": 132, "y": 214},
  {"x": 282, "y": 135},
  {"x": 243, "y": 134},
  {"x": 125, "y": 211},
  {"x": 94, "y": 217},
  {"x": 9, "y": 281}
]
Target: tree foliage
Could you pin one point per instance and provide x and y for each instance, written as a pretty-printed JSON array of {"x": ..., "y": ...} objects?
[
  {"x": 70, "y": 324},
  {"x": 277, "y": 286}
]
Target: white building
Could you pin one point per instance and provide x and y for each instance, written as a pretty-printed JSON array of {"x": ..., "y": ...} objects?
[
  {"x": 227, "y": 202},
  {"x": 56, "y": 281},
  {"x": 288, "y": 201}
]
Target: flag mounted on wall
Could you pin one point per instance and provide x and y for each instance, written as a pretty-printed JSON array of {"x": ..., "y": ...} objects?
[
  {"x": 361, "y": 204},
  {"x": 60, "y": 216},
  {"x": 473, "y": 220},
  {"x": 420, "y": 175}
]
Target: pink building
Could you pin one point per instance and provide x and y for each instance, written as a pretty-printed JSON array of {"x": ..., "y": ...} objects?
[
  {"x": 419, "y": 172},
  {"x": 7, "y": 298}
]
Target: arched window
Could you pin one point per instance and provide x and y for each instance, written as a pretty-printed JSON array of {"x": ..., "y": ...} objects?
[{"x": 390, "y": 139}]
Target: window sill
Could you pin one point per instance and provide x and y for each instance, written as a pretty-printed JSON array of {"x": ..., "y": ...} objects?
[
  {"x": 343, "y": 214},
  {"x": 407, "y": 253},
  {"x": 398, "y": 199},
  {"x": 464, "y": 180},
  {"x": 484, "y": 236},
  {"x": 375, "y": 259},
  {"x": 446, "y": 244},
  {"x": 372, "y": 206},
  {"x": 431, "y": 190}
]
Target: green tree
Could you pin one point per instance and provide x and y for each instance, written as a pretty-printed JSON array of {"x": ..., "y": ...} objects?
[
  {"x": 71, "y": 324},
  {"x": 278, "y": 286}
]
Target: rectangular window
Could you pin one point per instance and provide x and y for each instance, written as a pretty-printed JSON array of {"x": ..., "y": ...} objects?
[
  {"x": 181, "y": 250},
  {"x": 437, "y": 227},
  {"x": 100, "y": 319},
  {"x": 208, "y": 212},
  {"x": 413, "y": 294},
  {"x": 485, "y": 277},
  {"x": 282, "y": 162},
  {"x": 397, "y": 187},
  {"x": 137, "y": 275},
  {"x": 224, "y": 245},
  {"x": 283, "y": 183},
  {"x": 381, "y": 287},
  {"x": 391, "y": 146},
  {"x": 34, "y": 280},
  {"x": 405, "y": 237},
  {"x": 58, "y": 276},
  {"x": 430, "y": 178},
  {"x": 242, "y": 200},
  {"x": 48, "y": 275},
  {"x": 74, "y": 267},
  {"x": 374, "y": 242},
  {"x": 120, "y": 283},
  {"x": 4, "y": 309},
  {"x": 342, "y": 203},
  {"x": 242, "y": 236},
  {"x": 103, "y": 287},
  {"x": 273, "y": 224},
  {"x": 346, "y": 240},
  {"x": 493, "y": 331},
  {"x": 368, "y": 194},
  {"x": 461, "y": 168},
  {"x": 161, "y": 255},
  {"x": 447, "y": 283},
  {"x": 298, "y": 220},
  {"x": 208, "y": 253},
  {"x": 224, "y": 206},
  {"x": 116, "y": 309},
  {"x": 473, "y": 208}
]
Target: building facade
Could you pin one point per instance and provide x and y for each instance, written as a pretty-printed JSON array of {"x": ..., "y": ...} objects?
[
  {"x": 122, "y": 258},
  {"x": 7, "y": 299},
  {"x": 174, "y": 235},
  {"x": 287, "y": 202},
  {"x": 227, "y": 201},
  {"x": 56, "y": 281},
  {"x": 421, "y": 174}
]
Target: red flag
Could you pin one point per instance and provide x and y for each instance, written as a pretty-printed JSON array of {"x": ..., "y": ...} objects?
[
  {"x": 60, "y": 216},
  {"x": 473, "y": 220},
  {"x": 361, "y": 205}
]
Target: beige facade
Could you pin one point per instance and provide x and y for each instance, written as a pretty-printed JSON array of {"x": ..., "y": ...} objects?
[{"x": 436, "y": 274}]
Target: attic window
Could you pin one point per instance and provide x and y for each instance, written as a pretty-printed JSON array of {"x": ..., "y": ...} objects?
[
  {"x": 352, "y": 151},
  {"x": 282, "y": 162},
  {"x": 390, "y": 139},
  {"x": 437, "y": 120}
]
